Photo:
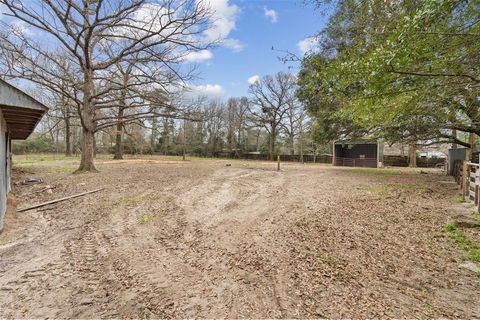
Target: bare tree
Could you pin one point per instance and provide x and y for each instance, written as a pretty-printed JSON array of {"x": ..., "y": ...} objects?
[
  {"x": 292, "y": 124},
  {"x": 214, "y": 119},
  {"x": 96, "y": 36},
  {"x": 64, "y": 110},
  {"x": 237, "y": 109},
  {"x": 269, "y": 104}
]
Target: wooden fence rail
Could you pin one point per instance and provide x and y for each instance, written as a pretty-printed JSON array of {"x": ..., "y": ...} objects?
[{"x": 467, "y": 174}]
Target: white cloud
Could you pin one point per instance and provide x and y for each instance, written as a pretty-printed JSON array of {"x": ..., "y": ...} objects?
[
  {"x": 234, "y": 44},
  {"x": 198, "y": 56},
  {"x": 271, "y": 14},
  {"x": 208, "y": 90},
  {"x": 253, "y": 79},
  {"x": 152, "y": 17},
  {"x": 223, "y": 19},
  {"x": 21, "y": 28},
  {"x": 307, "y": 45}
]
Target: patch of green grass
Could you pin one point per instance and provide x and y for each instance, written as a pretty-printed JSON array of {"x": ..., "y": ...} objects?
[
  {"x": 413, "y": 187},
  {"x": 134, "y": 200},
  {"x": 459, "y": 198},
  {"x": 427, "y": 308},
  {"x": 450, "y": 227},
  {"x": 477, "y": 215},
  {"x": 466, "y": 244},
  {"x": 58, "y": 167},
  {"x": 3, "y": 239},
  {"x": 475, "y": 254},
  {"x": 145, "y": 217},
  {"x": 386, "y": 188},
  {"x": 459, "y": 237},
  {"x": 383, "y": 189},
  {"x": 379, "y": 172}
]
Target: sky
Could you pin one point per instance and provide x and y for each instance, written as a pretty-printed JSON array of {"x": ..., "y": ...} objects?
[
  {"x": 246, "y": 54},
  {"x": 248, "y": 30}
]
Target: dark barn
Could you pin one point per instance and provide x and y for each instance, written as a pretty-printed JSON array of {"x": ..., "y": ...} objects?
[{"x": 357, "y": 153}]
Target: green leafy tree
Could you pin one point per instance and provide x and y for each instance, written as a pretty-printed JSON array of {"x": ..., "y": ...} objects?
[{"x": 406, "y": 71}]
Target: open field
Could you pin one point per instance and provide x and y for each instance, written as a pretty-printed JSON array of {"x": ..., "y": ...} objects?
[{"x": 177, "y": 239}]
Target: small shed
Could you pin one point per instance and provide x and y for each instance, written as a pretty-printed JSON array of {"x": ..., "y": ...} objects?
[
  {"x": 358, "y": 153},
  {"x": 19, "y": 115}
]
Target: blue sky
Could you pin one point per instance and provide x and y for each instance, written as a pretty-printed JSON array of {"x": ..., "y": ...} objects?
[
  {"x": 248, "y": 29},
  {"x": 259, "y": 25}
]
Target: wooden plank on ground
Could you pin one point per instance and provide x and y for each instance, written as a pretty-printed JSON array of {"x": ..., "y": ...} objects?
[{"x": 59, "y": 200}]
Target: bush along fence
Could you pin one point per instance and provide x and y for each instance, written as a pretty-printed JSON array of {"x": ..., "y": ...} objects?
[{"x": 403, "y": 161}]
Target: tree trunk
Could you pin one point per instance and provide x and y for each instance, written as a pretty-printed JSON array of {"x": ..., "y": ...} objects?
[
  {"x": 153, "y": 137},
  {"x": 118, "y": 143},
  {"x": 271, "y": 146},
  {"x": 471, "y": 140},
  {"x": 454, "y": 134},
  {"x": 214, "y": 146},
  {"x": 300, "y": 140},
  {"x": 292, "y": 145},
  {"x": 88, "y": 126},
  {"x": 272, "y": 143},
  {"x": 74, "y": 141},
  {"x": 86, "y": 162},
  {"x": 94, "y": 147},
  {"x": 412, "y": 153},
  {"x": 68, "y": 145},
  {"x": 118, "y": 137},
  {"x": 239, "y": 141},
  {"x": 184, "y": 142}
]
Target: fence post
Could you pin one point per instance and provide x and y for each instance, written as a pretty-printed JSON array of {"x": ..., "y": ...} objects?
[
  {"x": 278, "y": 162},
  {"x": 334, "y": 157},
  {"x": 475, "y": 199},
  {"x": 464, "y": 179},
  {"x": 477, "y": 184}
]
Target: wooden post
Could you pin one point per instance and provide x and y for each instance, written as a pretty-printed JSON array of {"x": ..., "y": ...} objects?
[
  {"x": 278, "y": 162},
  {"x": 333, "y": 154},
  {"x": 464, "y": 179},
  {"x": 477, "y": 187},
  {"x": 184, "y": 147},
  {"x": 475, "y": 199}
]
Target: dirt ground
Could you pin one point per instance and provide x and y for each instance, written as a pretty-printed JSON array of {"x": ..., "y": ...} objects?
[{"x": 173, "y": 239}]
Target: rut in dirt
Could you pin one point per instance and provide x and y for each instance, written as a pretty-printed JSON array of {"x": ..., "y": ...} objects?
[{"x": 203, "y": 240}]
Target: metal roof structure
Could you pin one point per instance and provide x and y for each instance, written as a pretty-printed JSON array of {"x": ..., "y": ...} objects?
[
  {"x": 20, "y": 111},
  {"x": 356, "y": 141}
]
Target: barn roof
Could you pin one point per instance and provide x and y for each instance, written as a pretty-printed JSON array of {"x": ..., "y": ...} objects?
[
  {"x": 356, "y": 141},
  {"x": 20, "y": 111}
]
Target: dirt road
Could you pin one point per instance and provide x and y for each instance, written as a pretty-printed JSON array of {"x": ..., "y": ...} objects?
[{"x": 199, "y": 239}]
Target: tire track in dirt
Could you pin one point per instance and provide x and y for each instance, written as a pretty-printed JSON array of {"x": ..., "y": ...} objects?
[
  {"x": 229, "y": 231},
  {"x": 83, "y": 254},
  {"x": 236, "y": 242}
]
